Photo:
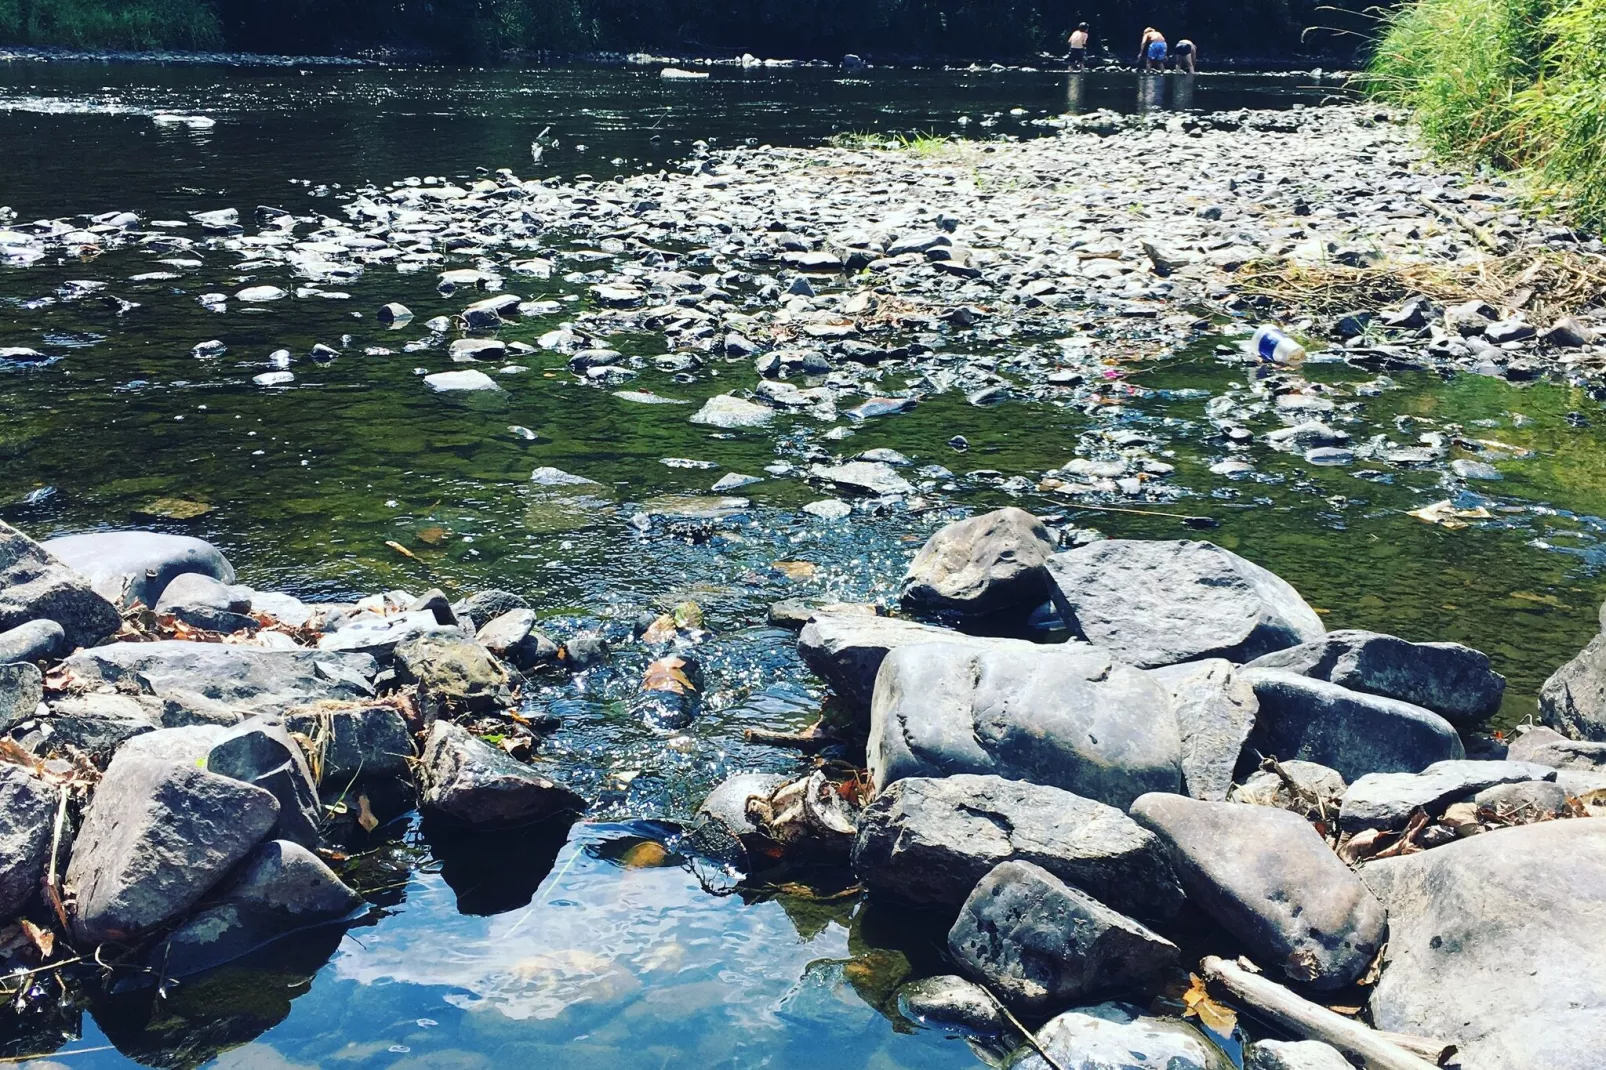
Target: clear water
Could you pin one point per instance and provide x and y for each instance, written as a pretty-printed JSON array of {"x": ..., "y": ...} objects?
[{"x": 520, "y": 951}]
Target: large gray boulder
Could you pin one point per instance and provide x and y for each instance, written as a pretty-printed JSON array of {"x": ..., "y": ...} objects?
[
  {"x": 22, "y": 688},
  {"x": 27, "y": 815},
  {"x": 262, "y": 753},
  {"x": 1040, "y": 943},
  {"x": 467, "y": 780},
  {"x": 156, "y": 837},
  {"x": 1546, "y": 746},
  {"x": 846, "y": 650},
  {"x": 136, "y": 566},
  {"x": 1498, "y": 943},
  {"x": 1573, "y": 700},
  {"x": 1160, "y": 603},
  {"x": 281, "y": 888},
  {"x": 253, "y": 679},
  {"x": 1294, "y": 1055},
  {"x": 1387, "y": 800},
  {"x": 453, "y": 674},
  {"x": 1452, "y": 680},
  {"x": 1354, "y": 733},
  {"x": 1118, "y": 1036},
  {"x": 1216, "y": 711},
  {"x": 929, "y": 841},
  {"x": 33, "y": 641},
  {"x": 1067, "y": 717},
  {"x": 1266, "y": 876},
  {"x": 36, "y": 585},
  {"x": 982, "y": 566}
]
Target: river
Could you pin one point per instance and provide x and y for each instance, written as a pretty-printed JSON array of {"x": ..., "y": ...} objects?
[{"x": 592, "y": 952}]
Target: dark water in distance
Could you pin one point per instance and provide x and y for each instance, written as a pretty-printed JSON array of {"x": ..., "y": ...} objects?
[{"x": 568, "y": 951}]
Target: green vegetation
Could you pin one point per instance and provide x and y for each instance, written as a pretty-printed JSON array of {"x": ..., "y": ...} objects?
[
  {"x": 1520, "y": 84},
  {"x": 1018, "y": 29}
]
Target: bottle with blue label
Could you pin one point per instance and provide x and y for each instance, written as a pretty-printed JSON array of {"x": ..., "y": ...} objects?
[{"x": 1275, "y": 347}]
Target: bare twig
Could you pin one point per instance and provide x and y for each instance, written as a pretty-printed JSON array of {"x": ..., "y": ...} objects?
[{"x": 1031, "y": 1040}]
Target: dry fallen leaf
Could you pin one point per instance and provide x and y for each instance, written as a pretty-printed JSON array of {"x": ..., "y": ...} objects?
[
  {"x": 42, "y": 939},
  {"x": 797, "y": 571},
  {"x": 400, "y": 549},
  {"x": 659, "y": 631},
  {"x": 668, "y": 674},
  {"x": 365, "y": 814},
  {"x": 1446, "y": 515},
  {"x": 1197, "y": 1003}
]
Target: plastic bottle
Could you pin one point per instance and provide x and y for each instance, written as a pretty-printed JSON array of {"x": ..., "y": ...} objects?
[{"x": 1272, "y": 345}]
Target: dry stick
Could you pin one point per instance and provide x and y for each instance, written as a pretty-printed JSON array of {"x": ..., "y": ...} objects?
[
  {"x": 53, "y": 1054},
  {"x": 1052, "y": 1062},
  {"x": 1140, "y": 512},
  {"x": 1271, "y": 1001}
]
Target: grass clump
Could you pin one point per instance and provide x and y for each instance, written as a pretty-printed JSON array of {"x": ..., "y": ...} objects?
[{"x": 129, "y": 24}]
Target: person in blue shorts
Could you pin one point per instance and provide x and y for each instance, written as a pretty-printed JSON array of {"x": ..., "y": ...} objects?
[{"x": 1152, "y": 50}]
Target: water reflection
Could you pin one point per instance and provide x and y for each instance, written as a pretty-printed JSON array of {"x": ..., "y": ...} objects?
[
  {"x": 1151, "y": 93},
  {"x": 1075, "y": 93},
  {"x": 1182, "y": 92}
]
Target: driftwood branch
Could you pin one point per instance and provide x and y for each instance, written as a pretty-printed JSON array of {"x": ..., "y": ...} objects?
[
  {"x": 1272, "y": 1002},
  {"x": 811, "y": 739}
]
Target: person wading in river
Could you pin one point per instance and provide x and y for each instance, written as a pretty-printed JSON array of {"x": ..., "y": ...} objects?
[
  {"x": 1152, "y": 50},
  {"x": 1184, "y": 54},
  {"x": 1078, "y": 57}
]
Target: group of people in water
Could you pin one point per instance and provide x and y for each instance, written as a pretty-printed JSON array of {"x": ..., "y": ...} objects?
[{"x": 1153, "y": 51}]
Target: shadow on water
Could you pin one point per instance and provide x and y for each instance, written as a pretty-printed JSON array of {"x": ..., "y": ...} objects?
[{"x": 494, "y": 871}]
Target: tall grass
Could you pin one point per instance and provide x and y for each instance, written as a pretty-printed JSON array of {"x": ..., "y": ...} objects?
[
  {"x": 129, "y": 24},
  {"x": 1520, "y": 84}
]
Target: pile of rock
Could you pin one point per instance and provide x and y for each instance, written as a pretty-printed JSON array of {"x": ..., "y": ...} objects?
[
  {"x": 183, "y": 765},
  {"x": 1202, "y": 745}
]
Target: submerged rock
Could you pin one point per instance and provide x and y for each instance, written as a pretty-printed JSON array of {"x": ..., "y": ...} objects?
[
  {"x": 929, "y": 840},
  {"x": 36, "y": 585},
  {"x": 1513, "y": 924},
  {"x": 984, "y": 565},
  {"x": 1067, "y": 717},
  {"x": 1160, "y": 603},
  {"x": 1267, "y": 877},
  {"x": 1118, "y": 1036},
  {"x": 862, "y": 477},
  {"x": 1041, "y": 943},
  {"x": 471, "y": 782},
  {"x": 728, "y": 411},
  {"x": 952, "y": 1001}
]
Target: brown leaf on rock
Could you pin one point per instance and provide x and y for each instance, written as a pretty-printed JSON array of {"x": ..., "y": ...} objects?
[
  {"x": 365, "y": 814},
  {"x": 1361, "y": 846},
  {"x": 668, "y": 674},
  {"x": 660, "y": 631},
  {"x": 43, "y": 940}
]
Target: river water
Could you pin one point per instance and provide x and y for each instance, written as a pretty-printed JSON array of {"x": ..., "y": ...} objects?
[{"x": 589, "y": 951}]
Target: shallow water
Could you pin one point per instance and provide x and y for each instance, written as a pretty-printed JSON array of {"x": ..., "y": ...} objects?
[{"x": 575, "y": 952}]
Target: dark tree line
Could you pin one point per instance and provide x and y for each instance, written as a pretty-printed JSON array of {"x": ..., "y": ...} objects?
[{"x": 954, "y": 29}]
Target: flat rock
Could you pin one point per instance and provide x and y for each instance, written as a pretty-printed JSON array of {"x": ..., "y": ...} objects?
[
  {"x": 136, "y": 566},
  {"x": 248, "y": 678},
  {"x": 1452, "y": 680},
  {"x": 982, "y": 565},
  {"x": 1268, "y": 878},
  {"x": 1530, "y": 799},
  {"x": 870, "y": 478},
  {"x": 1546, "y": 746},
  {"x": 378, "y": 635},
  {"x": 1160, "y": 603},
  {"x": 728, "y": 411},
  {"x": 1573, "y": 700},
  {"x": 189, "y": 745},
  {"x": 27, "y": 817},
  {"x": 1040, "y": 943},
  {"x": 1498, "y": 943},
  {"x": 1215, "y": 711},
  {"x": 1349, "y": 731},
  {"x": 1294, "y": 1055},
  {"x": 156, "y": 837},
  {"x": 470, "y": 381},
  {"x": 1387, "y": 800},
  {"x": 1118, "y": 1036},
  {"x": 36, "y": 585},
  {"x": 929, "y": 840},
  {"x": 469, "y": 781},
  {"x": 1071, "y": 718}
]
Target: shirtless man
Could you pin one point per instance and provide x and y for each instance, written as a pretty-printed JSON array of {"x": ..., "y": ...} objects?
[
  {"x": 1184, "y": 55},
  {"x": 1078, "y": 56},
  {"x": 1152, "y": 50}
]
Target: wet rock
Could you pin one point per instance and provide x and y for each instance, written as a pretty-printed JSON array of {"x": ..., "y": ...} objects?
[
  {"x": 355, "y": 743},
  {"x": 37, "y": 585},
  {"x": 1573, "y": 700},
  {"x": 829, "y": 509},
  {"x": 22, "y": 688},
  {"x": 1118, "y": 1036},
  {"x": 453, "y": 674},
  {"x": 36, "y": 640},
  {"x": 514, "y": 638},
  {"x": 136, "y": 566},
  {"x": 1387, "y": 800},
  {"x": 156, "y": 837},
  {"x": 1301, "y": 438},
  {"x": 1067, "y": 717},
  {"x": 1294, "y": 1055},
  {"x": 862, "y": 477},
  {"x": 27, "y": 816},
  {"x": 845, "y": 649},
  {"x": 952, "y": 1001},
  {"x": 981, "y": 566},
  {"x": 1467, "y": 469},
  {"x": 203, "y": 602},
  {"x": 1350, "y": 731},
  {"x": 728, "y": 803},
  {"x": 1452, "y": 680},
  {"x": 1040, "y": 943},
  {"x": 929, "y": 840},
  {"x": 1160, "y": 603},
  {"x": 467, "y": 780},
  {"x": 582, "y": 652},
  {"x": 461, "y": 382},
  {"x": 250, "y": 679},
  {"x": 281, "y": 888},
  {"x": 1514, "y": 923},
  {"x": 1215, "y": 711},
  {"x": 378, "y": 635},
  {"x": 728, "y": 411},
  {"x": 1546, "y": 746},
  {"x": 464, "y": 350},
  {"x": 486, "y": 606},
  {"x": 1267, "y": 877},
  {"x": 395, "y": 315},
  {"x": 260, "y": 753}
]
